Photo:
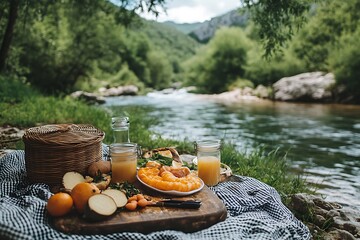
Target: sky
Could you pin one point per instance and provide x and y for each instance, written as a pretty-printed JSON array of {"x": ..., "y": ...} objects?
[{"x": 190, "y": 11}]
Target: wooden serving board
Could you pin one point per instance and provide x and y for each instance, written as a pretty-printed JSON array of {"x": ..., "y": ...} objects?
[{"x": 150, "y": 219}]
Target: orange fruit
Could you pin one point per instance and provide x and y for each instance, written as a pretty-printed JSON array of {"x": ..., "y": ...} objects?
[
  {"x": 81, "y": 194},
  {"x": 59, "y": 204}
]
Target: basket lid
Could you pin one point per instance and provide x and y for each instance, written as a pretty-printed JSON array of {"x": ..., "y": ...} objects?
[{"x": 63, "y": 134}]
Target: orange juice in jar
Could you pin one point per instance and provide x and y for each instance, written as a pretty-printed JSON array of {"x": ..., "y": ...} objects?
[
  {"x": 123, "y": 162},
  {"x": 208, "y": 161}
]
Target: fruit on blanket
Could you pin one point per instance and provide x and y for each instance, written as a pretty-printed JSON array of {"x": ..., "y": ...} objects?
[
  {"x": 81, "y": 194},
  {"x": 99, "y": 207},
  {"x": 71, "y": 179},
  {"x": 118, "y": 196},
  {"x": 59, "y": 204},
  {"x": 98, "y": 168}
]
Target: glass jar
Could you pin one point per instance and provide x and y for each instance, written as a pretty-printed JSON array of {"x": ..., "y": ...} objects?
[
  {"x": 208, "y": 161},
  {"x": 120, "y": 127},
  {"x": 123, "y": 157}
]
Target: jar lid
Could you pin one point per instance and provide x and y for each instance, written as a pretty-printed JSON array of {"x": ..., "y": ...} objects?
[{"x": 117, "y": 122}]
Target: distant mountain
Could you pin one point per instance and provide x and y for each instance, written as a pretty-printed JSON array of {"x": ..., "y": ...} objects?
[
  {"x": 184, "y": 27},
  {"x": 207, "y": 29}
]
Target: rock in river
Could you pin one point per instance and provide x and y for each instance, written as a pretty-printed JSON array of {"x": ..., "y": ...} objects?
[
  {"x": 119, "y": 91},
  {"x": 87, "y": 97},
  {"x": 310, "y": 87}
]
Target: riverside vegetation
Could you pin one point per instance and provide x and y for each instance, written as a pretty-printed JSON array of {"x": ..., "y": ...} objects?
[{"x": 65, "y": 46}]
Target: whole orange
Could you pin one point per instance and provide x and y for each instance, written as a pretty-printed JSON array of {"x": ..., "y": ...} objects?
[
  {"x": 81, "y": 194},
  {"x": 59, "y": 204}
]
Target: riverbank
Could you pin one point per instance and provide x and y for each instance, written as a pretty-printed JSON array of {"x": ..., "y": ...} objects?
[{"x": 310, "y": 87}]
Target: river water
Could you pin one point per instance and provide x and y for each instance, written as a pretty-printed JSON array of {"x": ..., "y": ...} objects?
[{"x": 322, "y": 141}]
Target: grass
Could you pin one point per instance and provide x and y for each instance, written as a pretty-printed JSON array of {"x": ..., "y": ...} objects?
[{"x": 24, "y": 107}]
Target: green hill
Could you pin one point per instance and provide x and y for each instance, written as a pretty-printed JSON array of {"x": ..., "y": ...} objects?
[
  {"x": 176, "y": 45},
  {"x": 183, "y": 27},
  {"x": 169, "y": 40}
]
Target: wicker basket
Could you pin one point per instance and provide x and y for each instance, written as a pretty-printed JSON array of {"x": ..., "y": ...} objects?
[{"x": 53, "y": 150}]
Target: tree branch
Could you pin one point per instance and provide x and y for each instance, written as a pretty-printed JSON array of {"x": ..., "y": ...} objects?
[{"x": 5, "y": 46}]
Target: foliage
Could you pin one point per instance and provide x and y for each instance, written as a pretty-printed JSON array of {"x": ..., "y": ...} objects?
[
  {"x": 345, "y": 63},
  {"x": 268, "y": 71},
  {"x": 221, "y": 62},
  {"x": 62, "y": 46},
  {"x": 240, "y": 83},
  {"x": 277, "y": 20},
  {"x": 176, "y": 46},
  {"x": 318, "y": 38},
  {"x": 82, "y": 44},
  {"x": 70, "y": 45},
  {"x": 14, "y": 90},
  {"x": 124, "y": 77},
  {"x": 160, "y": 70}
]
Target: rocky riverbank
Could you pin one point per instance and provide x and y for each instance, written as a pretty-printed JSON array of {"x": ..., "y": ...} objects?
[{"x": 326, "y": 220}]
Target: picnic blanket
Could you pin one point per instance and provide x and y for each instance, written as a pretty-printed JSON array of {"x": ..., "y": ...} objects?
[{"x": 255, "y": 211}]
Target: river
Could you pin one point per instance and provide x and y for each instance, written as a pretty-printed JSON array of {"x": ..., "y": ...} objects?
[{"x": 322, "y": 140}]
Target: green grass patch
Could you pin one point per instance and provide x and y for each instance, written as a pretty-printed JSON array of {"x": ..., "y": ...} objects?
[{"x": 268, "y": 167}]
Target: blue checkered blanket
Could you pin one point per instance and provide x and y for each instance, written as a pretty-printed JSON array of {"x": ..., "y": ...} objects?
[{"x": 255, "y": 211}]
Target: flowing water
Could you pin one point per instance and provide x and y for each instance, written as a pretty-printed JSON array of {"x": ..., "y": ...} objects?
[{"x": 323, "y": 141}]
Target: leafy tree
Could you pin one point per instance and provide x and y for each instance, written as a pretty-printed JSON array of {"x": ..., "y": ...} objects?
[
  {"x": 318, "y": 38},
  {"x": 12, "y": 9},
  {"x": 267, "y": 71},
  {"x": 160, "y": 70},
  {"x": 80, "y": 41},
  {"x": 277, "y": 19},
  {"x": 221, "y": 62},
  {"x": 61, "y": 48},
  {"x": 345, "y": 63}
]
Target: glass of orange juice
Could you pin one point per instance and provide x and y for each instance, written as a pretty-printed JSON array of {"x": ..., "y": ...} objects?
[
  {"x": 208, "y": 161},
  {"x": 123, "y": 162}
]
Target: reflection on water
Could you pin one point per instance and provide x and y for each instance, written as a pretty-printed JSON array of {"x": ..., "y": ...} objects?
[{"x": 323, "y": 140}]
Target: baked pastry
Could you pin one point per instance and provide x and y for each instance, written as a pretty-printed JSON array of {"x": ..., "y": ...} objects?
[{"x": 168, "y": 178}]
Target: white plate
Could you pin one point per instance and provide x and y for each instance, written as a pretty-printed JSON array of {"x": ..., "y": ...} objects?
[{"x": 173, "y": 192}]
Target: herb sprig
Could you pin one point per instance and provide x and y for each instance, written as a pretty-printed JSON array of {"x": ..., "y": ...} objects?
[
  {"x": 157, "y": 158},
  {"x": 128, "y": 188}
]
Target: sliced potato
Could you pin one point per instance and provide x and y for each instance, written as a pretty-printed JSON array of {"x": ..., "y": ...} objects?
[
  {"x": 99, "y": 207},
  {"x": 118, "y": 196},
  {"x": 70, "y": 179}
]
